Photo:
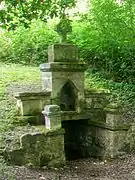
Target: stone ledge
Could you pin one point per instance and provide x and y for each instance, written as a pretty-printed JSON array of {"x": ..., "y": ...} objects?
[
  {"x": 65, "y": 67},
  {"x": 33, "y": 95},
  {"x": 32, "y": 120},
  {"x": 108, "y": 127},
  {"x": 96, "y": 93},
  {"x": 113, "y": 109},
  {"x": 73, "y": 115},
  {"x": 62, "y": 52}
]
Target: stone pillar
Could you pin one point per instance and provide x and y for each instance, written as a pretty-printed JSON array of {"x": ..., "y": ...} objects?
[
  {"x": 116, "y": 129},
  {"x": 46, "y": 77},
  {"x": 63, "y": 67},
  {"x": 52, "y": 116},
  {"x": 55, "y": 137},
  {"x": 113, "y": 116}
]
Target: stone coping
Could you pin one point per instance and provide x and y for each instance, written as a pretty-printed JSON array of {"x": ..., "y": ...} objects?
[
  {"x": 64, "y": 44},
  {"x": 104, "y": 125},
  {"x": 63, "y": 66},
  {"x": 74, "y": 115},
  {"x": 96, "y": 92},
  {"x": 35, "y": 95},
  {"x": 113, "y": 109}
]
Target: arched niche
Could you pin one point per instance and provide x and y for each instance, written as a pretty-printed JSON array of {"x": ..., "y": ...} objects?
[{"x": 68, "y": 97}]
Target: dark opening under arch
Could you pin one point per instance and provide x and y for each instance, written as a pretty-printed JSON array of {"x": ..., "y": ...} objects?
[{"x": 68, "y": 97}]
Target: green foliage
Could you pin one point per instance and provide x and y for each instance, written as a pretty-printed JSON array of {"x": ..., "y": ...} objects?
[
  {"x": 18, "y": 12},
  {"x": 27, "y": 46},
  {"x": 5, "y": 46},
  {"x": 106, "y": 37},
  {"x": 121, "y": 93},
  {"x": 5, "y": 171}
]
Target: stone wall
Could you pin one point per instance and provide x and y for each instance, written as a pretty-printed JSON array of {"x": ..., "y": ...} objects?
[
  {"x": 37, "y": 149},
  {"x": 96, "y": 99},
  {"x": 105, "y": 143},
  {"x": 84, "y": 139},
  {"x": 100, "y": 132}
]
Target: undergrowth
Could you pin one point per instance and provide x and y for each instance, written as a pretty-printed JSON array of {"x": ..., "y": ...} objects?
[
  {"x": 5, "y": 171},
  {"x": 120, "y": 93}
]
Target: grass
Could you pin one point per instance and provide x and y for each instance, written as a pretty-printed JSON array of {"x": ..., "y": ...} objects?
[
  {"x": 13, "y": 73},
  {"x": 5, "y": 171},
  {"x": 17, "y": 73}
]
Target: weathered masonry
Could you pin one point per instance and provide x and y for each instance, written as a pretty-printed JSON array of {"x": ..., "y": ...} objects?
[{"x": 78, "y": 123}]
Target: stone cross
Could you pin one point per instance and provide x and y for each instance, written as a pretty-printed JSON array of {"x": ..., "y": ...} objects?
[{"x": 63, "y": 28}]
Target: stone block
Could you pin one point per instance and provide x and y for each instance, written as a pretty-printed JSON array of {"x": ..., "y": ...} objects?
[
  {"x": 39, "y": 149},
  {"x": 96, "y": 99},
  {"x": 113, "y": 116},
  {"x": 31, "y": 107},
  {"x": 59, "y": 79},
  {"x": 46, "y": 81},
  {"x": 32, "y": 103},
  {"x": 131, "y": 137},
  {"x": 98, "y": 117},
  {"x": 111, "y": 143},
  {"x": 46, "y": 77},
  {"x": 62, "y": 52},
  {"x": 99, "y": 102},
  {"x": 52, "y": 116},
  {"x": 88, "y": 103},
  {"x": 113, "y": 120}
]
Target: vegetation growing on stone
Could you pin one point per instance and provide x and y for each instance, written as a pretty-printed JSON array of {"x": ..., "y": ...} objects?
[{"x": 104, "y": 35}]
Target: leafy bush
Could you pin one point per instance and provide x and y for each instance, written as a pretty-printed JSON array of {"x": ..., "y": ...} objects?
[
  {"x": 16, "y": 13},
  {"x": 5, "y": 170},
  {"x": 5, "y": 46},
  {"x": 28, "y": 46},
  {"x": 121, "y": 93},
  {"x": 106, "y": 38}
]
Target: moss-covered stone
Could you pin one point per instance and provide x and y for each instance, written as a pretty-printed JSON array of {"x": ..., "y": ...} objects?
[
  {"x": 62, "y": 52},
  {"x": 95, "y": 127},
  {"x": 38, "y": 119},
  {"x": 36, "y": 148}
]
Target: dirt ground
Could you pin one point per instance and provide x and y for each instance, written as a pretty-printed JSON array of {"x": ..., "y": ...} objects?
[{"x": 84, "y": 169}]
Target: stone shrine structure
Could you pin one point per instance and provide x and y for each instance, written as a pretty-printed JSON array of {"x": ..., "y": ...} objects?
[{"x": 78, "y": 123}]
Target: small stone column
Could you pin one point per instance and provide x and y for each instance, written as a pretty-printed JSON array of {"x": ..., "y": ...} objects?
[
  {"x": 52, "y": 116},
  {"x": 113, "y": 116},
  {"x": 46, "y": 77},
  {"x": 116, "y": 131}
]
